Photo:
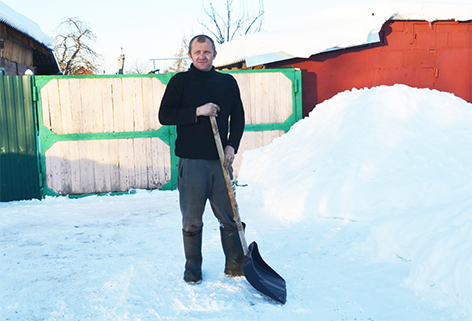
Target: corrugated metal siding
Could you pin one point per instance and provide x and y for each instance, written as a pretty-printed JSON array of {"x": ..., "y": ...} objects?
[{"x": 19, "y": 177}]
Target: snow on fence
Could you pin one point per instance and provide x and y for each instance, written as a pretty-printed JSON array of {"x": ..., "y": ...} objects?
[{"x": 101, "y": 134}]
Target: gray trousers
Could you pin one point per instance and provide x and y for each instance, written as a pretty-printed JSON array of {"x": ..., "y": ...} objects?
[{"x": 200, "y": 180}]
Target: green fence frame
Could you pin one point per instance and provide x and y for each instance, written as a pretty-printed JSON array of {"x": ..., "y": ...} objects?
[{"x": 166, "y": 133}]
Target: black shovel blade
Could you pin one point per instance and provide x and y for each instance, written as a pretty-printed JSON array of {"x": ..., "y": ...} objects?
[{"x": 262, "y": 277}]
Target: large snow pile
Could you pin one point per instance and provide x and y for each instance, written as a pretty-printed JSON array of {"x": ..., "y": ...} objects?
[
  {"x": 363, "y": 207},
  {"x": 23, "y": 24},
  {"x": 364, "y": 153},
  {"x": 398, "y": 156}
]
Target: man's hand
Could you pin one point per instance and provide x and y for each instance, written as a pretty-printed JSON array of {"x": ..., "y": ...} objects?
[
  {"x": 209, "y": 109},
  {"x": 229, "y": 156}
]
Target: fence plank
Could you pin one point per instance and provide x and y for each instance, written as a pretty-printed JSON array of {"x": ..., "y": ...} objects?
[
  {"x": 75, "y": 172},
  {"x": 45, "y": 105},
  {"x": 76, "y": 107},
  {"x": 129, "y": 103},
  {"x": 54, "y": 170},
  {"x": 88, "y": 110},
  {"x": 114, "y": 160},
  {"x": 124, "y": 164},
  {"x": 108, "y": 125},
  {"x": 64, "y": 99},
  {"x": 153, "y": 90},
  {"x": 138, "y": 114},
  {"x": 54, "y": 117},
  {"x": 118, "y": 105}
]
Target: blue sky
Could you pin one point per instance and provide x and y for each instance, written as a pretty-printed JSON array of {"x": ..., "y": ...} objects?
[{"x": 152, "y": 28}]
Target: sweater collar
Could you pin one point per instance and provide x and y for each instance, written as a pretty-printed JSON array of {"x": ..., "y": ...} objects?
[{"x": 200, "y": 73}]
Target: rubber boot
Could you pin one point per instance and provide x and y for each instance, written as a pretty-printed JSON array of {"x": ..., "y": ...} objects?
[
  {"x": 233, "y": 251},
  {"x": 193, "y": 256}
]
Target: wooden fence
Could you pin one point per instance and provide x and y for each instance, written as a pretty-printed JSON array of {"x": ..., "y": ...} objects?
[{"x": 101, "y": 134}]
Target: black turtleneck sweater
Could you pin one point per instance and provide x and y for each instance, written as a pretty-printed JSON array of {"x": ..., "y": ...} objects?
[{"x": 188, "y": 90}]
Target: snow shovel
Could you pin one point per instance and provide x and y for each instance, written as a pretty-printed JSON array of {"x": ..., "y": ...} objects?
[{"x": 260, "y": 275}]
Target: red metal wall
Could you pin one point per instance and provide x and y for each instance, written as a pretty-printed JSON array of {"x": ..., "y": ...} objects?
[{"x": 416, "y": 53}]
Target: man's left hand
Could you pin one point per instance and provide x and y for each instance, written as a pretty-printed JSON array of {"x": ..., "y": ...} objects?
[{"x": 229, "y": 156}]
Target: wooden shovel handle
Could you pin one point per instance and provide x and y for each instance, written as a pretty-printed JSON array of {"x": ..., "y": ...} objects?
[{"x": 221, "y": 155}]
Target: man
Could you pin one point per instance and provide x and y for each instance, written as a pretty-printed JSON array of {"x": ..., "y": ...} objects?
[{"x": 190, "y": 98}]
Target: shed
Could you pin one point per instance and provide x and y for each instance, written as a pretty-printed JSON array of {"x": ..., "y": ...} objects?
[
  {"x": 24, "y": 46},
  {"x": 364, "y": 45}
]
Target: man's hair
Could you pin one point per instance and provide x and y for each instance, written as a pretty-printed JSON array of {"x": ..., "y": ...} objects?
[{"x": 201, "y": 39}]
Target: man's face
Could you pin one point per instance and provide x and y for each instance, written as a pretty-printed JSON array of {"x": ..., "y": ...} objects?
[{"x": 202, "y": 55}]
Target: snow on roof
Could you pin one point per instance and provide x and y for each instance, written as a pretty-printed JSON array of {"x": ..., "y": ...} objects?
[
  {"x": 336, "y": 28},
  {"x": 23, "y": 24}
]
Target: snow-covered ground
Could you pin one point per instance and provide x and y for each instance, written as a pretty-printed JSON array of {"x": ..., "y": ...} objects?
[{"x": 364, "y": 207}]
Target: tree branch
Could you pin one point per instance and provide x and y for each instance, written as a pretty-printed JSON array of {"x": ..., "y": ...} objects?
[{"x": 235, "y": 23}]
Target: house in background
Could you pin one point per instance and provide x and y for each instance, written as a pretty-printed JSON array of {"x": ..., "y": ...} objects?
[
  {"x": 84, "y": 72},
  {"x": 366, "y": 45},
  {"x": 23, "y": 46}
]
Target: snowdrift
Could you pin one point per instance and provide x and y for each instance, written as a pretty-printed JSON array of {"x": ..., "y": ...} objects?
[
  {"x": 365, "y": 153},
  {"x": 398, "y": 157}
]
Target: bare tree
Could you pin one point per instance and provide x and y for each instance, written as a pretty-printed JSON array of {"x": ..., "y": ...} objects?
[
  {"x": 139, "y": 67},
  {"x": 72, "y": 46},
  {"x": 232, "y": 18},
  {"x": 180, "y": 64}
]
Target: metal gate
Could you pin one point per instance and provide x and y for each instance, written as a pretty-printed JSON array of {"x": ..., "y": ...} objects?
[{"x": 19, "y": 159}]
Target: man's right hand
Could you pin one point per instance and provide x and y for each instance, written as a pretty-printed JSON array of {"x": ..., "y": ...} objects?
[{"x": 209, "y": 109}]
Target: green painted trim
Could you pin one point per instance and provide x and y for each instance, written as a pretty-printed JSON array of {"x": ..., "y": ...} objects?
[
  {"x": 49, "y": 138},
  {"x": 47, "y": 191},
  {"x": 172, "y": 183},
  {"x": 41, "y": 81},
  {"x": 75, "y": 196},
  {"x": 166, "y": 77},
  {"x": 42, "y": 139},
  {"x": 36, "y": 102},
  {"x": 285, "y": 126},
  {"x": 297, "y": 95}
]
